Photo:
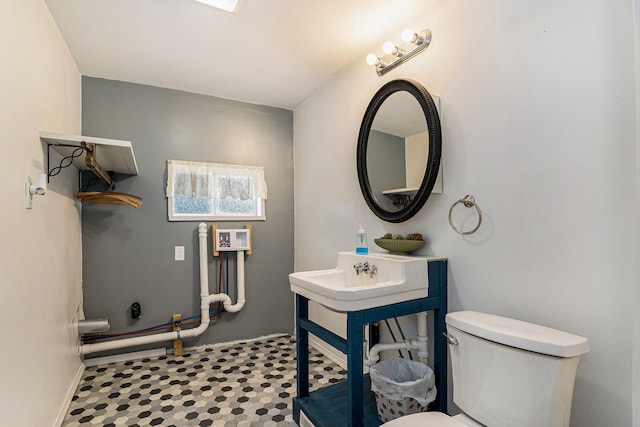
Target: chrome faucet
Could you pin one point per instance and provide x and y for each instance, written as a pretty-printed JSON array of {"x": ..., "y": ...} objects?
[
  {"x": 365, "y": 268},
  {"x": 372, "y": 270}
]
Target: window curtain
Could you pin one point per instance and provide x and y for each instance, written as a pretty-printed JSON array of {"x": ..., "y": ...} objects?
[{"x": 196, "y": 180}]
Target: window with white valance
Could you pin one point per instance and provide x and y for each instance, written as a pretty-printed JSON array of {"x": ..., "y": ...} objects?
[{"x": 198, "y": 191}]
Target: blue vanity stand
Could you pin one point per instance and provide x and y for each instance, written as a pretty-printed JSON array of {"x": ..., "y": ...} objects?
[{"x": 351, "y": 402}]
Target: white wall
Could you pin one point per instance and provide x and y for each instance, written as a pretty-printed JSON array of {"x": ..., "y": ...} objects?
[
  {"x": 537, "y": 101},
  {"x": 41, "y": 248}
]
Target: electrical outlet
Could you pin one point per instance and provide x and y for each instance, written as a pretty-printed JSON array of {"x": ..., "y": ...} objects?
[{"x": 179, "y": 253}]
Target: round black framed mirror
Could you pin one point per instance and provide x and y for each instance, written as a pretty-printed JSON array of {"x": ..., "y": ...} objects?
[{"x": 399, "y": 149}]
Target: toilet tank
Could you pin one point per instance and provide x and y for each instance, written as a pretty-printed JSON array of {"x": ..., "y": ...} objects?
[{"x": 512, "y": 373}]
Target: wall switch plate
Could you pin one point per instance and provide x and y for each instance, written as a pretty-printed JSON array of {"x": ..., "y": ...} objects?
[{"x": 179, "y": 253}]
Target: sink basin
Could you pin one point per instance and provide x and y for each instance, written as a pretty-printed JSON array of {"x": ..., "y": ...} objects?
[{"x": 398, "y": 278}]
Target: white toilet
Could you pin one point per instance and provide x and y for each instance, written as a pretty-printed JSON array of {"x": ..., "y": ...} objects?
[{"x": 506, "y": 373}]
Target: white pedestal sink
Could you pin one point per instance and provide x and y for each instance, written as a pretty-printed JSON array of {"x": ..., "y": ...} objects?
[{"x": 397, "y": 278}]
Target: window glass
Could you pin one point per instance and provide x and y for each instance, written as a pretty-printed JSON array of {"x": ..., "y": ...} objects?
[{"x": 199, "y": 191}]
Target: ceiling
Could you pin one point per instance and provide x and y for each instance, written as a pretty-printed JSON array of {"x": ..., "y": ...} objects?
[{"x": 271, "y": 52}]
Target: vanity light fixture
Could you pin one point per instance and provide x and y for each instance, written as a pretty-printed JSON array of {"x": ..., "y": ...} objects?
[
  {"x": 414, "y": 43},
  {"x": 226, "y": 5}
]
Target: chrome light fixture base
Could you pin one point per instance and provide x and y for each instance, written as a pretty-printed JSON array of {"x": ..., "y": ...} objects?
[{"x": 416, "y": 43}]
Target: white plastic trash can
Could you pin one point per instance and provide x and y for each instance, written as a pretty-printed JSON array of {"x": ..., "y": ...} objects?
[{"x": 402, "y": 387}]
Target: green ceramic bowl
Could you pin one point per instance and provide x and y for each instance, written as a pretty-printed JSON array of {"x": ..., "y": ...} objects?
[{"x": 399, "y": 247}]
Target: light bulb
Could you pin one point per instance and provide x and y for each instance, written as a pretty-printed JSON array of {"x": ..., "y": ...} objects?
[
  {"x": 372, "y": 59},
  {"x": 388, "y": 47},
  {"x": 408, "y": 36},
  {"x": 37, "y": 190},
  {"x": 226, "y": 5}
]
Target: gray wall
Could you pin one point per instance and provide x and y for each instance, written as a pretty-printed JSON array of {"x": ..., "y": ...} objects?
[
  {"x": 128, "y": 254},
  {"x": 386, "y": 153}
]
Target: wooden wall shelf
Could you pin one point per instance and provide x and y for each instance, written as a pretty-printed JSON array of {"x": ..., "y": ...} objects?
[{"x": 113, "y": 155}]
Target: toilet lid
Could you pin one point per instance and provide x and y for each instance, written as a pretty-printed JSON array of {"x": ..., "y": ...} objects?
[{"x": 431, "y": 419}]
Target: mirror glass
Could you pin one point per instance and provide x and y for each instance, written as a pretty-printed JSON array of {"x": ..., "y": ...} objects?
[{"x": 399, "y": 150}]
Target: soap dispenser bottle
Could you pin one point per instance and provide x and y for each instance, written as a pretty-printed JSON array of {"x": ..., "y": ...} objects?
[{"x": 361, "y": 242}]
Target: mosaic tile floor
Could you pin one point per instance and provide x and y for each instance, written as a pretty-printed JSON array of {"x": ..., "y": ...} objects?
[{"x": 247, "y": 384}]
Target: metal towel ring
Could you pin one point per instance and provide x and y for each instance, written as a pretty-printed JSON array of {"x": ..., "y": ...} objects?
[{"x": 468, "y": 201}]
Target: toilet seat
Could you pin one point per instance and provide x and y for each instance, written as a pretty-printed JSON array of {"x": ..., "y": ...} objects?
[{"x": 431, "y": 419}]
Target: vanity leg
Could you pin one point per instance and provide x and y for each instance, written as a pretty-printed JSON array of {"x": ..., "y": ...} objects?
[
  {"x": 438, "y": 274},
  {"x": 302, "y": 347},
  {"x": 355, "y": 379},
  {"x": 440, "y": 360}
]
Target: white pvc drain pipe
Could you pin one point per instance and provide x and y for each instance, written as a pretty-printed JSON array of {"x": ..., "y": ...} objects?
[{"x": 205, "y": 300}]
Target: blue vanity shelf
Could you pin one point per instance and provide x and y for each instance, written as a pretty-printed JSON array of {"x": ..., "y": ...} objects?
[{"x": 351, "y": 403}]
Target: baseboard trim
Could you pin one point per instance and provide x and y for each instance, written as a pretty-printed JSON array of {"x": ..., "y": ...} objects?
[
  {"x": 124, "y": 357},
  {"x": 69, "y": 396},
  {"x": 335, "y": 355}
]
